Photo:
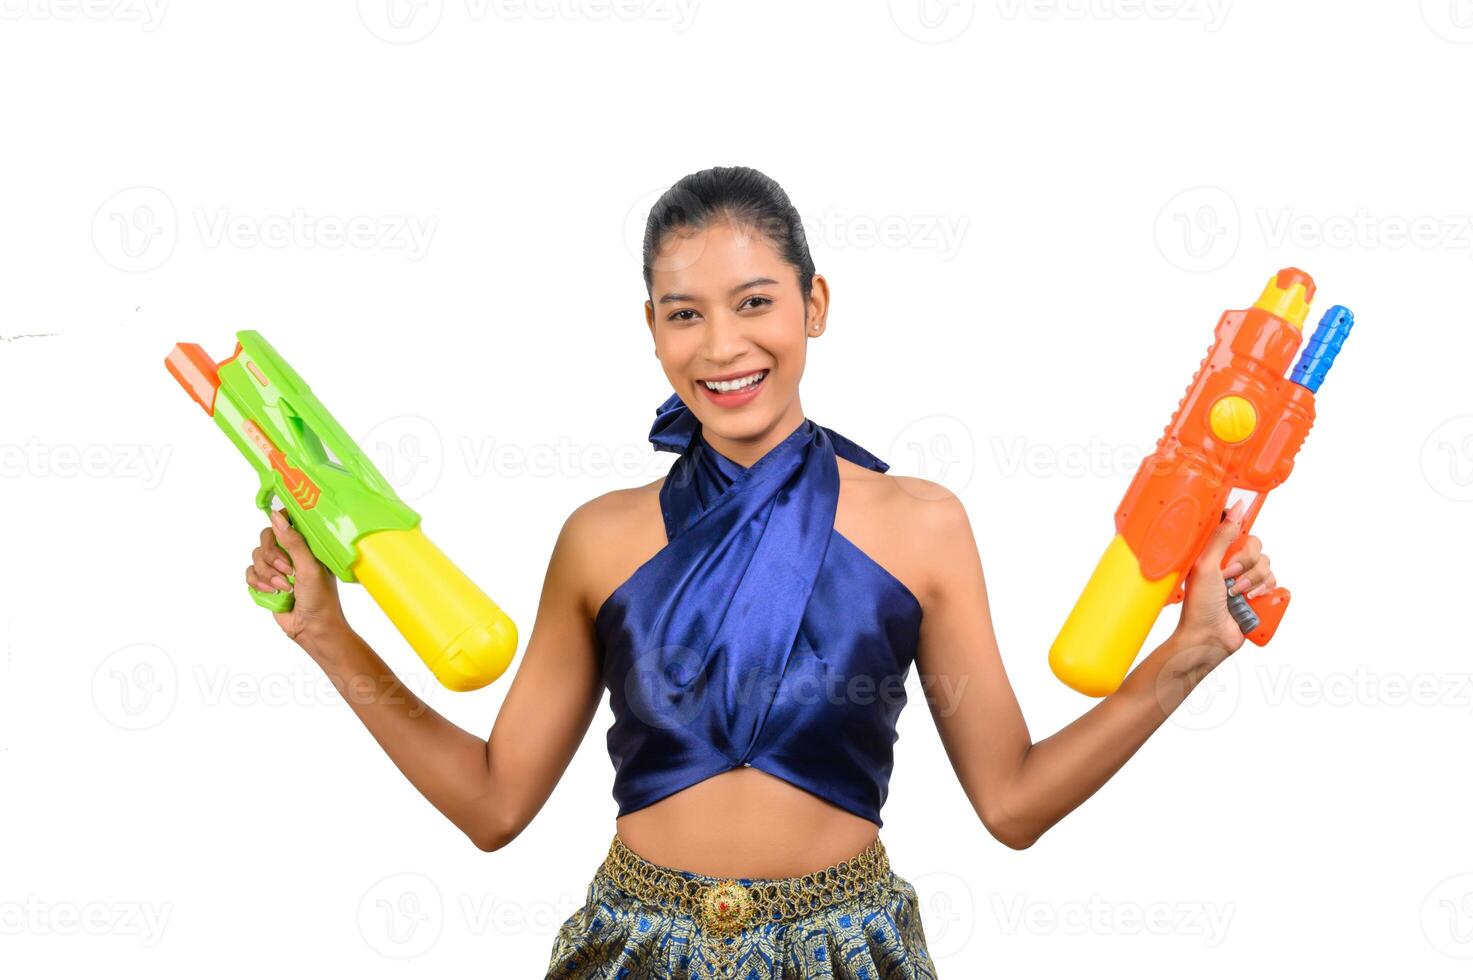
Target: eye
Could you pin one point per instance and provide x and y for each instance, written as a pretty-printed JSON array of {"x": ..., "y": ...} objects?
[
  {"x": 755, "y": 302},
  {"x": 682, "y": 315}
]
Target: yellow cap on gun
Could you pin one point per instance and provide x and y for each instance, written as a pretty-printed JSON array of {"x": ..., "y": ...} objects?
[{"x": 457, "y": 630}]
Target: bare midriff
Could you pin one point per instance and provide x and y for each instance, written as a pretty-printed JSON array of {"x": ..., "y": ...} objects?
[{"x": 745, "y": 823}]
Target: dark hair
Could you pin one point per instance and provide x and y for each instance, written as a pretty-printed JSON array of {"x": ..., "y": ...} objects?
[{"x": 738, "y": 194}]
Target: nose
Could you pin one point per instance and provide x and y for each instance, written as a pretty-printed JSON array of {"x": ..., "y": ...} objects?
[{"x": 725, "y": 338}]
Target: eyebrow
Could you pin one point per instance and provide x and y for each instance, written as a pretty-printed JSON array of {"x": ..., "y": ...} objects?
[{"x": 687, "y": 298}]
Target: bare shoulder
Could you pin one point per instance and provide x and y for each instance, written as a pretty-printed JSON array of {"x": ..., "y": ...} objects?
[
  {"x": 930, "y": 509},
  {"x": 903, "y": 522},
  {"x": 610, "y": 512},
  {"x": 606, "y": 538}
]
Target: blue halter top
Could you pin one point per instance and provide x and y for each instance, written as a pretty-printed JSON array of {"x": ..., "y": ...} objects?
[{"x": 758, "y": 636}]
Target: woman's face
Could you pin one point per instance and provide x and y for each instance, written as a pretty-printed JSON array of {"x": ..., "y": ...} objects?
[{"x": 725, "y": 305}]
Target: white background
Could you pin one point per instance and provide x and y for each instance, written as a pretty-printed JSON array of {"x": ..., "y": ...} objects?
[{"x": 1031, "y": 215}]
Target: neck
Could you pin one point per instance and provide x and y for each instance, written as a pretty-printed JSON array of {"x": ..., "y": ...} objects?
[{"x": 746, "y": 450}]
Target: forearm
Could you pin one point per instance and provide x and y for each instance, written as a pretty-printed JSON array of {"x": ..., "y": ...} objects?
[
  {"x": 1060, "y": 772},
  {"x": 447, "y": 764}
]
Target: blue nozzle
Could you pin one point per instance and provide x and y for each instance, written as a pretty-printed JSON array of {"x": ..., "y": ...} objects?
[{"x": 1319, "y": 354}]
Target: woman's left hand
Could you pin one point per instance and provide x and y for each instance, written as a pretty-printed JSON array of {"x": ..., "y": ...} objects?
[{"x": 1205, "y": 620}]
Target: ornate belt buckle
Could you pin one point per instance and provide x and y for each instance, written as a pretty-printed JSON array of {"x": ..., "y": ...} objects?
[{"x": 726, "y": 907}]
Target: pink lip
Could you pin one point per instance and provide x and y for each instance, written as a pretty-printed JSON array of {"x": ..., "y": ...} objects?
[
  {"x": 737, "y": 374},
  {"x": 734, "y": 399}
]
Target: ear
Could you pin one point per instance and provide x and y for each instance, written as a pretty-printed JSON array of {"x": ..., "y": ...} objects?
[
  {"x": 649, "y": 317},
  {"x": 818, "y": 306}
]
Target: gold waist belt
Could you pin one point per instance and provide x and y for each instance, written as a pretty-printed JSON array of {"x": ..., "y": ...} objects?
[{"x": 725, "y": 906}]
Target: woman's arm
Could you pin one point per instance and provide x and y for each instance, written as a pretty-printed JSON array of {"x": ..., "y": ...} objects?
[
  {"x": 489, "y": 788},
  {"x": 1018, "y": 788}
]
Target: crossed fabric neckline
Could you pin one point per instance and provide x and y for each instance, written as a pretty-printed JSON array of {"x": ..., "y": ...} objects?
[{"x": 722, "y": 603}]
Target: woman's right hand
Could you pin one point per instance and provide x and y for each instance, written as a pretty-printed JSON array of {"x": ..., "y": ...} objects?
[{"x": 316, "y": 609}]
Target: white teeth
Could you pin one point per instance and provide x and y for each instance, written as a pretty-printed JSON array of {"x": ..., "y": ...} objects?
[{"x": 735, "y": 384}]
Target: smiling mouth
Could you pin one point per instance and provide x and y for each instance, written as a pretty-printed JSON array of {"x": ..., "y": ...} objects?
[{"x": 736, "y": 384}]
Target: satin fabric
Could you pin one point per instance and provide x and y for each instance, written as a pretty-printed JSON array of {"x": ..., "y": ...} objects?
[{"x": 758, "y": 635}]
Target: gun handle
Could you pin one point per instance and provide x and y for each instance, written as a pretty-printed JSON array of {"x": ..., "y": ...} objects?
[
  {"x": 1270, "y": 608},
  {"x": 1259, "y": 616},
  {"x": 1243, "y": 613},
  {"x": 275, "y": 601}
]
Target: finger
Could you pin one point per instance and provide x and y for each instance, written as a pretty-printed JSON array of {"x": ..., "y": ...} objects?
[
  {"x": 1226, "y": 533},
  {"x": 266, "y": 573},
  {"x": 270, "y": 560},
  {"x": 1267, "y": 586},
  {"x": 1245, "y": 556},
  {"x": 291, "y": 540},
  {"x": 1259, "y": 572},
  {"x": 272, "y": 583},
  {"x": 270, "y": 552}
]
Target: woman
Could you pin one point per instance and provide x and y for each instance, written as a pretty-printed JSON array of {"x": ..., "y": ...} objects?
[{"x": 753, "y": 615}]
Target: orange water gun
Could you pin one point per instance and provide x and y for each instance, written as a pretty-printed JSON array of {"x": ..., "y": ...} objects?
[{"x": 1234, "y": 435}]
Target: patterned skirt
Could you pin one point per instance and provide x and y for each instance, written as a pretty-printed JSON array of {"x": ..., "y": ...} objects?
[{"x": 855, "y": 920}]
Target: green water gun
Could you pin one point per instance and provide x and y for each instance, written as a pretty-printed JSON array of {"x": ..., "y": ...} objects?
[{"x": 350, "y": 516}]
